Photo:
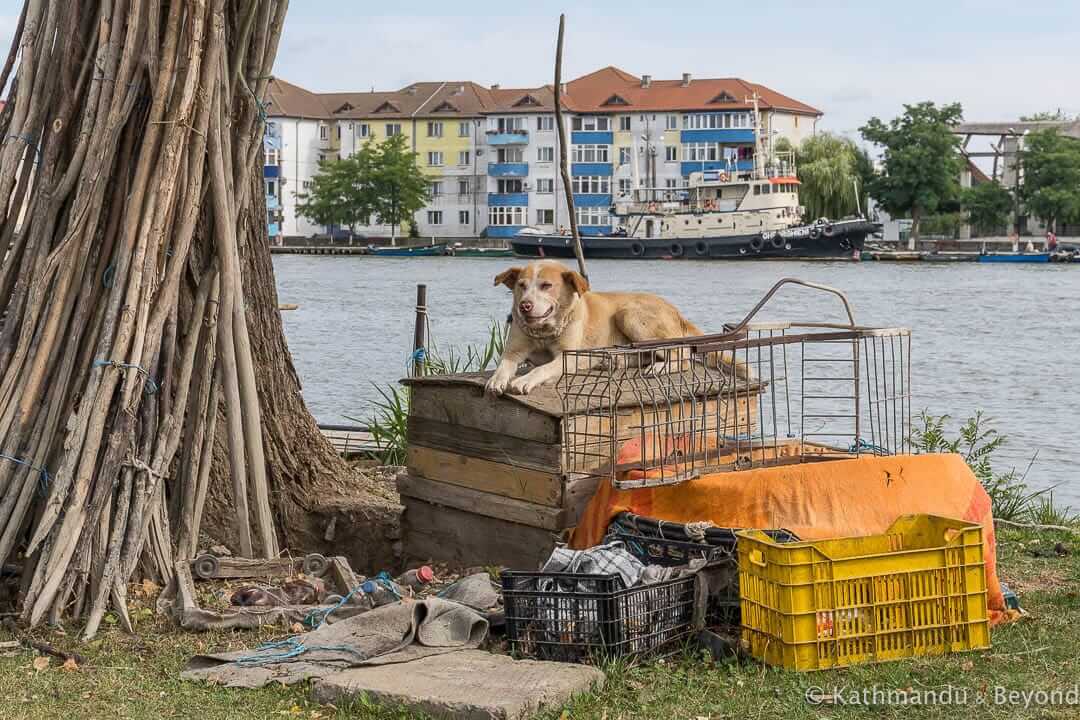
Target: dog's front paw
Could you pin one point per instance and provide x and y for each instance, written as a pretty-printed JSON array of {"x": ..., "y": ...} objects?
[
  {"x": 523, "y": 385},
  {"x": 496, "y": 385}
]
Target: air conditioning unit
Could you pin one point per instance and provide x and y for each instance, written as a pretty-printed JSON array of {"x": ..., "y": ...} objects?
[{"x": 525, "y": 186}]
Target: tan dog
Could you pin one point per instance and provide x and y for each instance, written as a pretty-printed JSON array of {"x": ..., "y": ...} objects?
[{"x": 554, "y": 311}]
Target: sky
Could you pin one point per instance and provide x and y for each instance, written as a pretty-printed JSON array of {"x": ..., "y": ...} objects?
[{"x": 851, "y": 60}]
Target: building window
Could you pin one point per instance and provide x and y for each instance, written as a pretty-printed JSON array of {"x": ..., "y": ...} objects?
[
  {"x": 436, "y": 189},
  {"x": 545, "y": 154},
  {"x": 463, "y": 129},
  {"x": 503, "y": 216},
  {"x": 510, "y": 185},
  {"x": 508, "y": 124},
  {"x": 510, "y": 155},
  {"x": 545, "y": 123},
  {"x": 591, "y": 184},
  {"x": 589, "y": 123},
  {"x": 700, "y": 152},
  {"x": 463, "y": 217},
  {"x": 593, "y": 216},
  {"x": 324, "y": 132},
  {"x": 624, "y": 156},
  {"x": 393, "y": 129},
  {"x": 271, "y": 156},
  {"x": 672, "y": 122},
  {"x": 625, "y": 186},
  {"x": 306, "y": 185},
  {"x": 434, "y": 217},
  {"x": 363, "y": 130},
  {"x": 434, "y": 128},
  {"x": 545, "y": 185},
  {"x": 591, "y": 153},
  {"x": 671, "y": 153},
  {"x": 796, "y": 121},
  {"x": 545, "y": 217},
  {"x": 624, "y": 123},
  {"x": 463, "y": 157},
  {"x": 271, "y": 188},
  {"x": 337, "y": 130},
  {"x": 463, "y": 187},
  {"x": 434, "y": 158},
  {"x": 715, "y": 121}
]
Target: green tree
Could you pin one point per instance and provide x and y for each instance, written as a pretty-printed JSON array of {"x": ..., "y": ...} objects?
[
  {"x": 828, "y": 168},
  {"x": 401, "y": 188},
  {"x": 381, "y": 180},
  {"x": 1051, "y": 179},
  {"x": 1058, "y": 115},
  {"x": 987, "y": 205},
  {"x": 922, "y": 161}
]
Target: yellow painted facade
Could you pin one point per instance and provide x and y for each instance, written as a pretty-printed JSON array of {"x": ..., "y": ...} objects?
[{"x": 443, "y": 135}]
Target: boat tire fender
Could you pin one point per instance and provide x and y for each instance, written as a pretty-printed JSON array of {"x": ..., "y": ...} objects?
[
  {"x": 815, "y": 233},
  {"x": 701, "y": 247},
  {"x": 777, "y": 241},
  {"x": 756, "y": 244},
  {"x": 676, "y": 250},
  {"x": 637, "y": 249},
  {"x": 829, "y": 230}
]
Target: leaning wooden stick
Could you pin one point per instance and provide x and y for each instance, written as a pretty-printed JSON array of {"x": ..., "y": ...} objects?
[{"x": 563, "y": 166}]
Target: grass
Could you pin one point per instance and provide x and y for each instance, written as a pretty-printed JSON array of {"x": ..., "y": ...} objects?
[{"x": 137, "y": 676}]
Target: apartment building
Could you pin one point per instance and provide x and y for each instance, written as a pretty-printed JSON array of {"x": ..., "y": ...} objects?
[{"x": 492, "y": 153}]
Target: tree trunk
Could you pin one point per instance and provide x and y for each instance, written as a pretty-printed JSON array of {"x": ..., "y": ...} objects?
[{"x": 913, "y": 238}]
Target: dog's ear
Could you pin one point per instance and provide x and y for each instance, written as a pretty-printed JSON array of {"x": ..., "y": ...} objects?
[
  {"x": 508, "y": 277},
  {"x": 577, "y": 280}
]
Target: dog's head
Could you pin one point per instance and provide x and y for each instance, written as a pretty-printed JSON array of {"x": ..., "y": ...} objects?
[{"x": 544, "y": 293}]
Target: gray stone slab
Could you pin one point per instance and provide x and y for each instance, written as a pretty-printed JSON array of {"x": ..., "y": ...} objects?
[{"x": 466, "y": 685}]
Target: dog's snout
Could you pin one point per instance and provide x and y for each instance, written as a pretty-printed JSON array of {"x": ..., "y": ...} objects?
[{"x": 526, "y": 306}]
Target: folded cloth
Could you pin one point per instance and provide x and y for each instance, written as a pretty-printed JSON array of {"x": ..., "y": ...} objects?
[
  {"x": 609, "y": 559},
  {"x": 400, "y": 632}
]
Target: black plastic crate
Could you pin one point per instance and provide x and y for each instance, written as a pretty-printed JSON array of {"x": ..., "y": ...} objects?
[
  {"x": 573, "y": 617},
  {"x": 721, "y": 574}
]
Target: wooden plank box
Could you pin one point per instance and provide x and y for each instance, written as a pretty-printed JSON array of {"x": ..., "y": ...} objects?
[{"x": 500, "y": 480}]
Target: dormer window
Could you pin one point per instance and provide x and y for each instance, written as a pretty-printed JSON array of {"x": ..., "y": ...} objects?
[
  {"x": 446, "y": 107},
  {"x": 527, "y": 101},
  {"x": 723, "y": 97},
  {"x": 344, "y": 108},
  {"x": 387, "y": 107},
  {"x": 616, "y": 100}
]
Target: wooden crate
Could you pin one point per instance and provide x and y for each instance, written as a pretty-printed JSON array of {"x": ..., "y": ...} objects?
[{"x": 489, "y": 479}]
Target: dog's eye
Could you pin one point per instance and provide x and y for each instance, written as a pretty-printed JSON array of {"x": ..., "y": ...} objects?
[
  {"x": 521, "y": 284},
  {"x": 545, "y": 286}
]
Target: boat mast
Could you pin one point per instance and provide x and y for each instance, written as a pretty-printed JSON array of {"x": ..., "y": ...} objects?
[{"x": 759, "y": 145}]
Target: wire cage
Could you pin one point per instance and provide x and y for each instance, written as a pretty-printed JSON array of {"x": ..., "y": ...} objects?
[{"x": 758, "y": 394}]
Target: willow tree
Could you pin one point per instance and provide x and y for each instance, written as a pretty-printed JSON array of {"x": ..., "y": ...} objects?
[
  {"x": 831, "y": 177},
  {"x": 138, "y": 298}
]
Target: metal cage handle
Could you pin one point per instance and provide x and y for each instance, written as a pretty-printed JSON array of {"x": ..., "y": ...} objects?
[{"x": 794, "y": 281}]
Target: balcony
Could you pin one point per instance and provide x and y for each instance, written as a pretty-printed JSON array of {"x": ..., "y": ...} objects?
[
  {"x": 272, "y": 202},
  {"x": 271, "y": 171},
  {"x": 511, "y": 137},
  {"x": 592, "y": 200},
  {"x": 727, "y": 135},
  {"x": 520, "y": 199},
  {"x": 692, "y": 166},
  {"x": 508, "y": 169},
  {"x": 595, "y": 169},
  {"x": 592, "y": 137}
]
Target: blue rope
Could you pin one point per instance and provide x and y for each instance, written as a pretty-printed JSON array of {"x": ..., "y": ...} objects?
[
  {"x": 45, "y": 479},
  {"x": 418, "y": 355},
  {"x": 30, "y": 143},
  {"x": 150, "y": 388},
  {"x": 861, "y": 444}
]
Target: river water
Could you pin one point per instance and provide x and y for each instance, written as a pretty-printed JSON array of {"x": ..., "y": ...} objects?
[{"x": 996, "y": 338}]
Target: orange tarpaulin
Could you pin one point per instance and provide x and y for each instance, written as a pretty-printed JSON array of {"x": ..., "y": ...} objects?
[{"x": 815, "y": 500}]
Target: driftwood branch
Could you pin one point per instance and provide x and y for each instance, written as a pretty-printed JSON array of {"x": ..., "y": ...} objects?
[{"x": 564, "y": 168}]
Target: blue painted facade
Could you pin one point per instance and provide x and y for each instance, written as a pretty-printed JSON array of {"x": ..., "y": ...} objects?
[
  {"x": 508, "y": 138},
  {"x": 690, "y": 166},
  {"x": 514, "y": 169},
  {"x": 597, "y": 169},
  {"x": 592, "y": 200},
  {"x": 503, "y": 230},
  {"x": 271, "y": 171},
  {"x": 594, "y": 229},
  {"x": 731, "y": 136},
  {"x": 508, "y": 199},
  {"x": 592, "y": 137}
]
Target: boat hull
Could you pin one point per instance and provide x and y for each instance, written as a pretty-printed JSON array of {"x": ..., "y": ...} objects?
[
  {"x": 413, "y": 251},
  {"x": 1015, "y": 258},
  {"x": 844, "y": 241}
]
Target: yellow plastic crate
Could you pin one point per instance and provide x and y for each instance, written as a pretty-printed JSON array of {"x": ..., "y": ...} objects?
[{"x": 919, "y": 589}]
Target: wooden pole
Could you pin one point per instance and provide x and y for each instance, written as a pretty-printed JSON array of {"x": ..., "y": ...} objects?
[
  {"x": 420, "y": 331},
  {"x": 563, "y": 167}
]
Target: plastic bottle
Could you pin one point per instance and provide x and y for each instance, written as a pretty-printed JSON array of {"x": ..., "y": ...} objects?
[
  {"x": 417, "y": 578},
  {"x": 382, "y": 592}
]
